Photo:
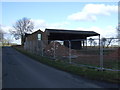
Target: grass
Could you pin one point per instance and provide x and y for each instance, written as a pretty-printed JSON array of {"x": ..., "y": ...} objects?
[
  {"x": 109, "y": 61},
  {"x": 108, "y": 76},
  {"x": 112, "y": 64},
  {"x": 106, "y": 64}
]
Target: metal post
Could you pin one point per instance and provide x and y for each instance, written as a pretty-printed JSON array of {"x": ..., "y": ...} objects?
[
  {"x": 69, "y": 51},
  {"x": 37, "y": 50},
  {"x": 1, "y": 64},
  {"x": 54, "y": 50},
  {"x": 83, "y": 44},
  {"x": 42, "y": 47},
  {"x": 99, "y": 42},
  {"x": 86, "y": 43},
  {"x": 101, "y": 54}
]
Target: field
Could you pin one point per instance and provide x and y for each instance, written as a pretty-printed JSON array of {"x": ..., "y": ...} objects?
[
  {"x": 111, "y": 58},
  {"x": 87, "y": 56}
]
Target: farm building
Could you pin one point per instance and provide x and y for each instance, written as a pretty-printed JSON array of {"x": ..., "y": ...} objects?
[
  {"x": 31, "y": 40},
  {"x": 40, "y": 39},
  {"x": 76, "y": 37}
]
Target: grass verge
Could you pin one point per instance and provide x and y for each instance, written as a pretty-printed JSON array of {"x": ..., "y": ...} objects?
[{"x": 108, "y": 76}]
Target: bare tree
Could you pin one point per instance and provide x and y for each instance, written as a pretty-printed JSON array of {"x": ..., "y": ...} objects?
[
  {"x": 94, "y": 43},
  {"x": 107, "y": 41},
  {"x": 22, "y": 26},
  {"x": 1, "y": 35},
  {"x": 91, "y": 40},
  {"x": 118, "y": 32},
  {"x": 103, "y": 41}
]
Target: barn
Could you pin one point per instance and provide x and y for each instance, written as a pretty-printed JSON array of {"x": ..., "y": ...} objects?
[{"x": 76, "y": 38}]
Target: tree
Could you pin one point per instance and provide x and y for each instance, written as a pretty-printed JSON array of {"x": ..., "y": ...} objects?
[
  {"x": 94, "y": 43},
  {"x": 5, "y": 42},
  {"x": 118, "y": 32},
  {"x": 22, "y": 26},
  {"x": 1, "y": 36},
  {"x": 109, "y": 40},
  {"x": 103, "y": 41},
  {"x": 91, "y": 41},
  {"x": 106, "y": 41}
]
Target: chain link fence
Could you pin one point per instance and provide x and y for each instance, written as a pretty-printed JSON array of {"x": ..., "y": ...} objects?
[{"x": 95, "y": 53}]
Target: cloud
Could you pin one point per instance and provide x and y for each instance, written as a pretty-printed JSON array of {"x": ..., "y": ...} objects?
[
  {"x": 42, "y": 24},
  {"x": 108, "y": 31},
  {"x": 90, "y": 12},
  {"x": 7, "y": 34},
  {"x": 38, "y": 24},
  {"x": 58, "y": 25},
  {"x": 5, "y": 29}
]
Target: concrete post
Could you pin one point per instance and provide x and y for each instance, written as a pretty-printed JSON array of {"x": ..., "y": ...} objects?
[
  {"x": 69, "y": 51},
  {"x": 101, "y": 54},
  {"x": 54, "y": 51},
  {"x": 42, "y": 47}
]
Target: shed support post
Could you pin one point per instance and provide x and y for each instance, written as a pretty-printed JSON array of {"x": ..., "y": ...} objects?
[{"x": 86, "y": 43}]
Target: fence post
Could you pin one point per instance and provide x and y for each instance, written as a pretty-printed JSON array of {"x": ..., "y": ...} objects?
[
  {"x": 69, "y": 51},
  {"x": 1, "y": 62},
  {"x": 37, "y": 48},
  {"x": 54, "y": 51},
  {"x": 42, "y": 47},
  {"x": 101, "y": 54}
]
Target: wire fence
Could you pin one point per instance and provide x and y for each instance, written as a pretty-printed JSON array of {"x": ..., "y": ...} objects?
[{"x": 95, "y": 53}]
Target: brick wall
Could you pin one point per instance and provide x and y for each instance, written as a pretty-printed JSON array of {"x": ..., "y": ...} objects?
[{"x": 33, "y": 44}]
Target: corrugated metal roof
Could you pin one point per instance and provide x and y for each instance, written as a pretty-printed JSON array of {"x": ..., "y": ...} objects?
[{"x": 91, "y": 33}]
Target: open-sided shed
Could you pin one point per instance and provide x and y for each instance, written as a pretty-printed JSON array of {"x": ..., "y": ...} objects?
[{"x": 70, "y": 35}]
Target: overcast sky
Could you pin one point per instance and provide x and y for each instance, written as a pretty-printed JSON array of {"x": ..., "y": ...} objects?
[{"x": 101, "y": 17}]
